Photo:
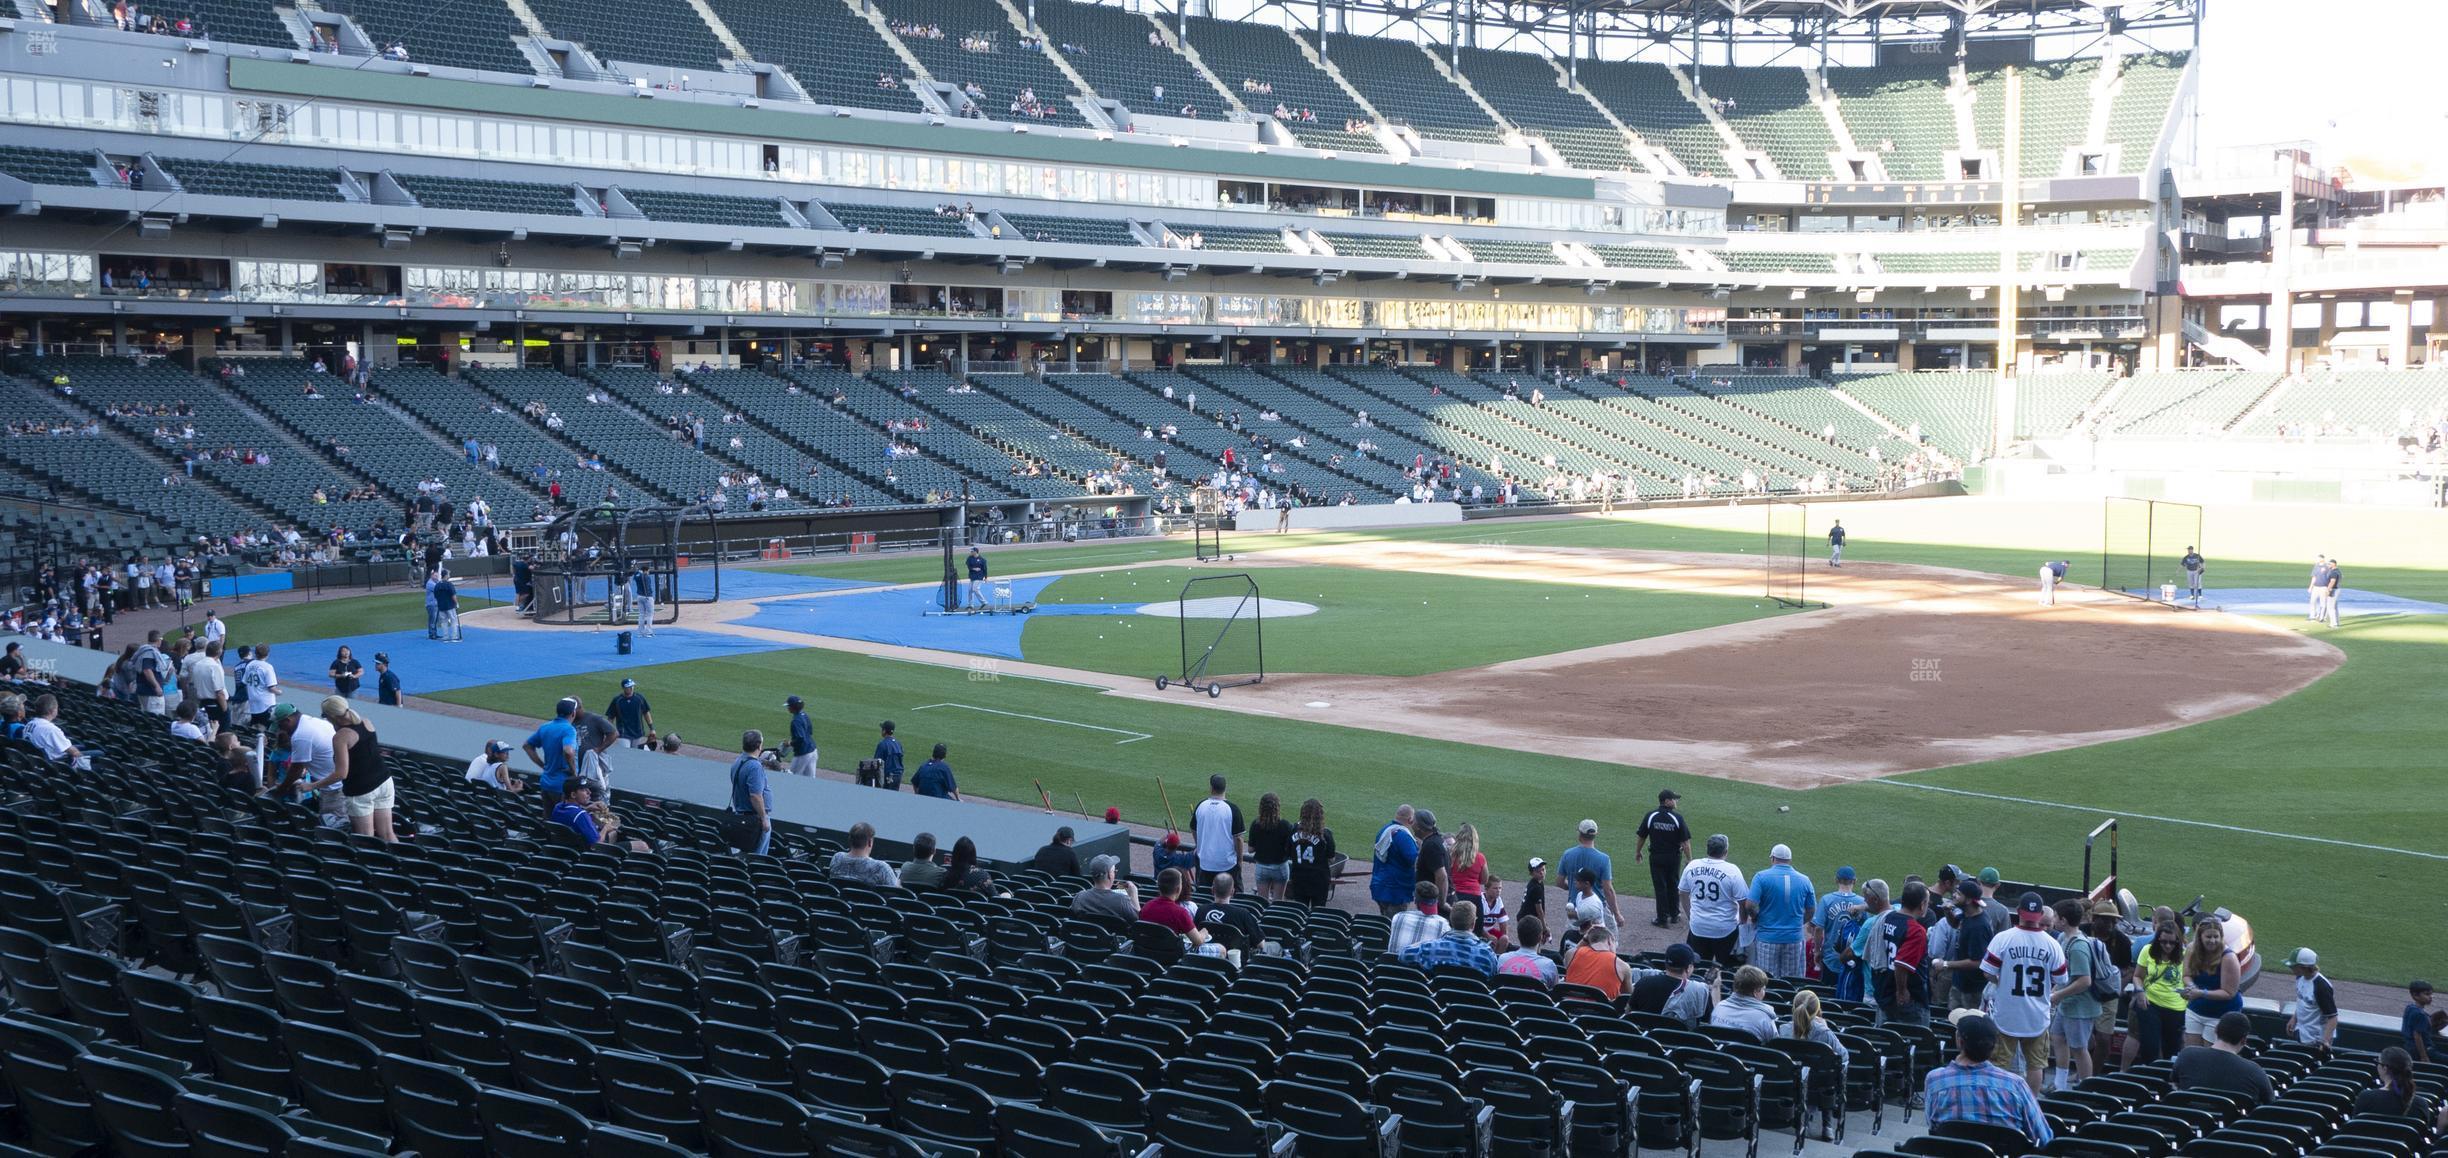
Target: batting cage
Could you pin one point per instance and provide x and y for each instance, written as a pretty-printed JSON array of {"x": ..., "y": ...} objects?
[
  {"x": 582, "y": 575},
  {"x": 1222, "y": 637},
  {"x": 2143, "y": 544},
  {"x": 1786, "y": 552}
]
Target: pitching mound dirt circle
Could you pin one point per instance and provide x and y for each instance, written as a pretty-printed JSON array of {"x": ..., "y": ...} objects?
[
  {"x": 1228, "y": 606},
  {"x": 1909, "y": 668}
]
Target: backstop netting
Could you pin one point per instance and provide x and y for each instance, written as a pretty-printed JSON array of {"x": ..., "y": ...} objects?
[
  {"x": 2143, "y": 544},
  {"x": 1222, "y": 634},
  {"x": 1786, "y": 551}
]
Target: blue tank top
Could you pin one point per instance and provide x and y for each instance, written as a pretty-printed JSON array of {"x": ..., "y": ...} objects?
[{"x": 2211, "y": 1009}]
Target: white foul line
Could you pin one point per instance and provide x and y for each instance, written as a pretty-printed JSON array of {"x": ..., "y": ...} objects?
[
  {"x": 2164, "y": 819},
  {"x": 999, "y": 674},
  {"x": 1135, "y": 737}
]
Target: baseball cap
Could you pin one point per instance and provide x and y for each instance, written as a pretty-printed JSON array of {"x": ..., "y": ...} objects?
[
  {"x": 1845, "y": 873},
  {"x": 496, "y": 748},
  {"x": 627, "y": 684},
  {"x": 382, "y": 657},
  {"x": 2303, "y": 959},
  {"x": 283, "y": 711},
  {"x": 1780, "y": 852},
  {"x": 1970, "y": 889},
  {"x": 335, "y": 707},
  {"x": 793, "y": 702},
  {"x": 1950, "y": 873},
  {"x": 1426, "y": 819},
  {"x": 1666, "y": 794},
  {"x": 1113, "y": 816},
  {"x": 1681, "y": 956},
  {"x": 1965, "y": 1014},
  {"x": 2104, "y": 907},
  {"x": 2033, "y": 910},
  {"x": 1537, "y": 863},
  {"x": 1989, "y": 877},
  {"x": 1589, "y": 828}
]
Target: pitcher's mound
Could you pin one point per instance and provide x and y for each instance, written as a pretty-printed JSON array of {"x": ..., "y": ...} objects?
[{"x": 1226, "y": 607}]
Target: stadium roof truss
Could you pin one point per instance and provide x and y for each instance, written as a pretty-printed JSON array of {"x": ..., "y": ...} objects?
[{"x": 1679, "y": 31}]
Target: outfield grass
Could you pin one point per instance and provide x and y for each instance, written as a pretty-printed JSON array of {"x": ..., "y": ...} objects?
[
  {"x": 927, "y": 566},
  {"x": 337, "y": 618},
  {"x": 1368, "y": 622}
]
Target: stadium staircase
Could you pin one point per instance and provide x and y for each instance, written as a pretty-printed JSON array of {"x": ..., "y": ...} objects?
[
  {"x": 2226, "y": 348},
  {"x": 1757, "y": 436},
  {"x": 1954, "y": 409}
]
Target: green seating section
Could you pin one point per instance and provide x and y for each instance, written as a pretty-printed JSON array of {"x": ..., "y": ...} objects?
[
  {"x": 222, "y": 178},
  {"x": 708, "y": 208},
  {"x": 1202, "y": 437},
  {"x": 1781, "y": 447},
  {"x": 834, "y": 54},
  {"x": 1325, "y": 427},
  {"x": 2049, "y": 404},
  {"x": 1804, "y": 404},
  {"x": 1399, "y": 427},
  {"x": 1072, "y": 230},
  {"x": 1003, "y": 73},
  {"x": 1237, "y": 240},
  {"x": 1242, "y": 52},
  {"x": 987, "y": 413},
  {"x": 2359, "y": 404},
  {"x": 48, "y": 166},
  {"x": 953, "y": 457},
  {"x": 2145, "y": 96},
  {"x": 2174, "y": 403},
  {"x": 91, "y": 468},
  {"x": 1109, "y": 47},
  {"x": 1775, "y": 261},
  {"x": 901, "y": 219},
  {"x": 1955, "y": 410},
  {"x": 2056, "y": 113},
  {"x": 1771, "y": 111},
  {"x": 672, "y": 470},
  {"x": 661, "y": 32},
  {"x": 285, "y": 486},
  {"x": 748, "y": 443},
  {"x": 850, "y": 453},
  {"x": 438, "y": 192},
  {"x": 1404, "y": 85},
  {"x": 1530, "y": 93},
  {"x": 1937, "y": 262},
  {"x": 1639, "y": 257},
  {"x": 1525, "y": 252},
  {"x": 230, "y": 21},
  {"x": 1377, "y": 246},
  {"x": 382, "y": 443},
  {"x": 459, "y": 411},
  {"x": 1646, "y": 98},
  {"x": 1901, "y": 114},
  {"x": 478, "y": 33}
]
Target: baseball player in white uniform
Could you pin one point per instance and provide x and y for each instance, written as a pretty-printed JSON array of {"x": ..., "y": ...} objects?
[
  {"x": 2051, "y": 574},
  {"x": 2312, "y": 590}
]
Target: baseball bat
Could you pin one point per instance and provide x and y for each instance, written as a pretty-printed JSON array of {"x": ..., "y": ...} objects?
[
  {"x": 1042, "y": 798},
  {"x": 1083, "y": 804},
  {"x": 1170, "y": 826}
]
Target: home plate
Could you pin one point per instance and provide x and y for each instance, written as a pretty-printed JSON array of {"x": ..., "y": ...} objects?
[
  {"x": 1317, "y": 704},
  {"x": 1228, "y": 607}
]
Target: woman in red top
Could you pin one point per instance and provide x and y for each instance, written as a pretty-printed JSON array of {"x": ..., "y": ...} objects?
[
  {"x": 1166, "y": 907},
  {"x": 1468, "y": 868}
]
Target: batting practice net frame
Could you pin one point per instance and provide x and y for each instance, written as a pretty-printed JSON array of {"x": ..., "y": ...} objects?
[
  {"x": 1220, "y": 651},
  {"x": 1207, "y": 517},
  {"x": 586, "y": 589},
  {"x": 1786, "y": 552},
  {"x": 2142, "y": 545}
]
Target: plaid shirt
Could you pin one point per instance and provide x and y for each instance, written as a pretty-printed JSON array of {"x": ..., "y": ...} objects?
[
  {"x": 1454, "y": 948},
  {"x": 1411, "y": 927},
  {"x": 1985, "y": 1093}
]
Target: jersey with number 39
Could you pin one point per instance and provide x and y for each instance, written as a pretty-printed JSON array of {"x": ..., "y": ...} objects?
[
  {"x": 1717, "y": 890},
  {"x": 2026, "y": 964}
]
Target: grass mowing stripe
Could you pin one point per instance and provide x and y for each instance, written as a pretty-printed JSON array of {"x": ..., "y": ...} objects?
[{"x": 1894, "y": 783}]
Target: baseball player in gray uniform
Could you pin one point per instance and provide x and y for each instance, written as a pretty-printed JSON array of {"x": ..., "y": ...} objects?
[
  {"x": 2312, "y": 590},
  {"x": 2192, "y": 563}
]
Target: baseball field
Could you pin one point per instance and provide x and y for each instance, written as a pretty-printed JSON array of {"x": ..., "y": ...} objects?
[{"x": 1522, "y": 674}]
